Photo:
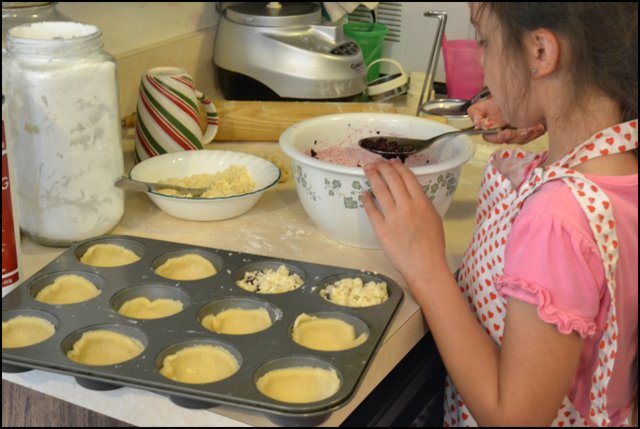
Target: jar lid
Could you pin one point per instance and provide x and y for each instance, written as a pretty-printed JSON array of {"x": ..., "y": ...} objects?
[
  {"x": 24, "y": 4},
  {"x": 274, "y": 14},
  {"x": 389, "y": 86}
]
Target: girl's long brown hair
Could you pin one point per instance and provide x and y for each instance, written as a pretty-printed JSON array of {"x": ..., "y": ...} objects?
[{"x": 603, "y": 40}]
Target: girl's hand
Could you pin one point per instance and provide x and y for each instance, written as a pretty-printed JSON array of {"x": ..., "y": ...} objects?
[
  {"x": 406, "y": 223},
  {"x": 486, "y": 114}
]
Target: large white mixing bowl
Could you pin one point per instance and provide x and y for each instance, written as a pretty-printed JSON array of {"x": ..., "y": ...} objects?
[{"x": 331, "y": 193}]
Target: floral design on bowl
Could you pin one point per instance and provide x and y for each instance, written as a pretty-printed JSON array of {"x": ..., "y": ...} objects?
[{"x": 331, "y": 193}]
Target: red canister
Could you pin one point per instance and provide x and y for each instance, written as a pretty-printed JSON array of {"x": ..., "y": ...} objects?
[{"x": 11, "y": 274}]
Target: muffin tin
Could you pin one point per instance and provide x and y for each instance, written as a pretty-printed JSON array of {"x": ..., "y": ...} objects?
[{"x": 257, "y": 353}]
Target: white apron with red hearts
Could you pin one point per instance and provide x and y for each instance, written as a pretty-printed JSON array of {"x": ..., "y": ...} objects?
[{"x": 502, "y": 194}]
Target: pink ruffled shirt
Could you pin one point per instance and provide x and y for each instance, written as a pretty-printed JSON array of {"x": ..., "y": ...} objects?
[{"x": 552, "y": 262}]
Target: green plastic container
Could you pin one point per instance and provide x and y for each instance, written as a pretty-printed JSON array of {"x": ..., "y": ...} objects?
[{"x": 370, "y": 37}]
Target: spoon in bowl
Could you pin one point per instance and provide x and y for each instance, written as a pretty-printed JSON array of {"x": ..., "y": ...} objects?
[
  {"x": 137, "y": 185},
  {"x": 402, "y": 147}
]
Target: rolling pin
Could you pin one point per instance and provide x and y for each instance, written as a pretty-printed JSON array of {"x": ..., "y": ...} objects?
[{"x": 266, "y": 120}]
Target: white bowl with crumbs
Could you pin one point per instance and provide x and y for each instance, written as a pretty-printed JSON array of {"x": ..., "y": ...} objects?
[{"x": 235, "y": 182}]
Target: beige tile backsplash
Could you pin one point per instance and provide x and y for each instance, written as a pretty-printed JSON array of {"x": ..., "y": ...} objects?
[{"x": 193, "y": 52}]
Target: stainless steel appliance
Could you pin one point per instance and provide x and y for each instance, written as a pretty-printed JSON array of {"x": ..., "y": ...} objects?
[{"x": 285, "y": 51}]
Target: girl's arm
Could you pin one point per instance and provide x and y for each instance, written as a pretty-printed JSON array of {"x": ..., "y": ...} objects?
[{"x": 522, "y": 382}]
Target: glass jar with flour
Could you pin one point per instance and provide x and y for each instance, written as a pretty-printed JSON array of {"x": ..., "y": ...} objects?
[{"x": 63, "y": 120}]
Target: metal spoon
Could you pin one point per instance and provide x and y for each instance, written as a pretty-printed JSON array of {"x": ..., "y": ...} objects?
[
  {"x": 480, "y": 95},
  {"x": 139, "y": 186},
  {"x": 402, "y": 147},
  {"x": 453, "y": 106}
]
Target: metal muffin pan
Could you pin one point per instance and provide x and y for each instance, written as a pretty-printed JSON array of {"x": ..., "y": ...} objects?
[{"x": 257, "y": 353}]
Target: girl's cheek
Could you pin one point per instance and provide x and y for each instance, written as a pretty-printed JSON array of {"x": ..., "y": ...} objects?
[
  {"x": 485, "y": 61},
  {"x": 488, "y": 75},
  {"x": 482, "y": 61}
]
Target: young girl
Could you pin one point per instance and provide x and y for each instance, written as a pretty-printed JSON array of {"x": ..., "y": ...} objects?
[{"x": 540, "y": 324}]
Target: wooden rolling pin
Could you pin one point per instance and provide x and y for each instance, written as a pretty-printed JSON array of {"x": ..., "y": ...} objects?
[{"x": 266, "y": 120}]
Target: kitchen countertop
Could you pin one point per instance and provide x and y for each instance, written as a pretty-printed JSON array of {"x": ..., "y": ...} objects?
[{"x": 277, "y": 226}]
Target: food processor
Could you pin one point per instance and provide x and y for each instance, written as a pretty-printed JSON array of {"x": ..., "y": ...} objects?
[{"x": 285, "y": 51}]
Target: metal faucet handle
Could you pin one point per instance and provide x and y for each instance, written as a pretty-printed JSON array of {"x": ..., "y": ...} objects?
[{"x": 433, "y": 58}]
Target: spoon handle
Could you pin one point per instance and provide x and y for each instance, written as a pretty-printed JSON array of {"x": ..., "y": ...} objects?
[
  {"x": 137, "y": 185},
  {"x": 471, "y": 131},
  {"x": 480, "y": 95},
  {"x": 133, "y": 185}
]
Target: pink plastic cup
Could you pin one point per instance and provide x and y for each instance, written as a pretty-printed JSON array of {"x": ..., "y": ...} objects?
[{"x": 462, "y": 68}]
